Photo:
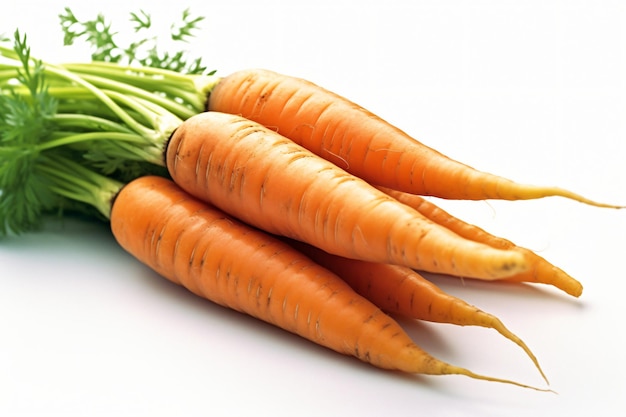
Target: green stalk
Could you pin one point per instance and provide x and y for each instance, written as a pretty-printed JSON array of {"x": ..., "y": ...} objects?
[
  {"x": 89, "y": 122},
  {"x": 136, "y": 116},
  {"x": 68, "y": 138},
  {"x": 145, "y": 93},
  {"x": 73, "y": 181},
  {"x": 71, "y": 135},
  {"x": 104, "y": 98},
  {"x": 187, "y": 93}
]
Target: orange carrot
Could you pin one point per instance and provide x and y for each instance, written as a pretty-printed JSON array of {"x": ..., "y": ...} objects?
[
  {"x": 359, "y": 141},
  {"x": 400, "y": 290},
  {"x": 217, "y": 257},
  {"x": 540, "y": 271},
  {"x": 272, "y": 183}
]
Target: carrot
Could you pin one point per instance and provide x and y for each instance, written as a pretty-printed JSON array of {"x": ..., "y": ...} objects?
[
  {"x": 268, "y": 181},
  {"x": 197, "y": 245},
  {"x": 399, "y": 290},
  {"x": 359, "y": 141},
  {"x": 218, "y": 258},
  {"x": 540, "y": 270}
]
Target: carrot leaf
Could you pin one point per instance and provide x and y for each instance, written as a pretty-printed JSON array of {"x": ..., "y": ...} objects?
[
  {"x": 99, "y": 34},
  {"x": 183, "y": 30},
  {"x": 23, "y": 123},
  {"x": 42, "y": 168},
  {"x": 142, "y": 20}
]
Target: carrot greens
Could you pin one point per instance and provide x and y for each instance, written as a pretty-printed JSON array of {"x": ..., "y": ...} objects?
[
  {"x": 24, "y": 123},
  {"x": 99, "y": 34},
  {"x": 108, "y": 117}
]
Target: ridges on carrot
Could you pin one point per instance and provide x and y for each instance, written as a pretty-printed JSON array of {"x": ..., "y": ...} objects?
[
  {"x": 218, "y": 258},
  {"x": 360, "y": 142},
  {"x": 268, "y": 181}
]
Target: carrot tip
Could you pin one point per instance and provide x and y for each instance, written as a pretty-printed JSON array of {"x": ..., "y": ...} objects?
[
  {"x": 429, "y": 365},
  {"x": 500, "y": 328},
  {"x": 561, "y": 192},
  {"x": 454, "y": 370}
]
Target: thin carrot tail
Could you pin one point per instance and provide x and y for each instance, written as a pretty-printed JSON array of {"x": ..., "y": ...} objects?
[
  {"x": 530, "y": 192},
  {"x": 489, "y": 321},
  {"x": 504, "y": 331},
  {"x": 467, "y": 183},
  {"x": 559, "y": 192},
  {"x": 429, "y": 365},
  {"x": 455, "y": 370}
]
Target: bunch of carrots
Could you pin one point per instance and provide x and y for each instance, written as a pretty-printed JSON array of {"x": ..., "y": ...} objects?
[{"x": 323, "y": 199}]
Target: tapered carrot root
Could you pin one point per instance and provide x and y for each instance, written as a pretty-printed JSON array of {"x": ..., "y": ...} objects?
[
  {"x": 360, "y": 142},
  {"x": 276, "y": 185},
  {"x": 399, "y": 290},
  {"x": 540, "y": 270},
  {"x": 218, "y": 258}
]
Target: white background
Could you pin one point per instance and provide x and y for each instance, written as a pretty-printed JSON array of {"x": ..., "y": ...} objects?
[{"x": 532, "y": 90}]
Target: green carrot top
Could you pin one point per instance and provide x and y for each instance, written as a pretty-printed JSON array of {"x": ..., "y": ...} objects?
[{"x": 71, "y": 134}]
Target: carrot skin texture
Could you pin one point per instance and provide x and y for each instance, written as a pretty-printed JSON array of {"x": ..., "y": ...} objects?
[
  {"x": 218, "y": 258},
  {"x": 269, "y": 182},
  {"x": 403, "y": 291},
  {"x": 540, "y": 271},
  {"x": 360, "y": 142}
]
